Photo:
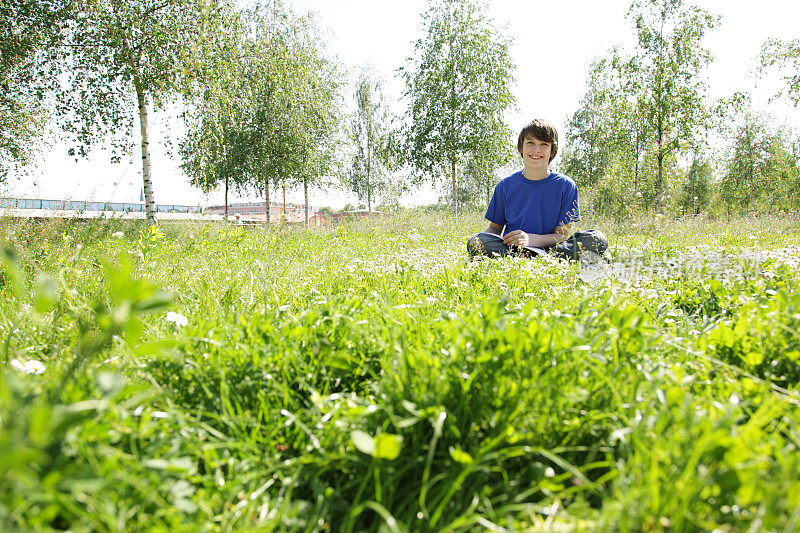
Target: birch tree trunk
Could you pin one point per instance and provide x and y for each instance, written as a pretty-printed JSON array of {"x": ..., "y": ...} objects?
[
  {"x": 369, "y": 161},
  {"x": 226, "y": 199},
  {"x": 455, "y": 189},
  {"x": 266, "y": 196},
  {"x": 149, "y": 201},
  {"x": 305, "y": 194},
  {"x": 660, "y": 157}
]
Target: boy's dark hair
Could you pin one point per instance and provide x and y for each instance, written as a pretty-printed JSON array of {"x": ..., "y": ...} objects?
[{"x": 541, "y": 130}]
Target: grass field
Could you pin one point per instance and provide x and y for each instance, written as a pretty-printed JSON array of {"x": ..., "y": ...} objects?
[{"x": 188, "y": 377}]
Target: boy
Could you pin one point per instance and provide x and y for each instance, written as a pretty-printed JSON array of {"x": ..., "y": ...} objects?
[{"x": 536, "y": 207}]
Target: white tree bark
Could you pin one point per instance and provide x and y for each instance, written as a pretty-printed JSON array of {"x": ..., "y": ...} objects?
[
  {"x": 266, "y": 198},
  {"x": 149, "y": 200},
  {"x": 305, "y": 193}
]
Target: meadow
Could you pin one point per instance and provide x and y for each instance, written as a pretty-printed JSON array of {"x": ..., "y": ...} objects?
[{"x": 197, "y": 377}]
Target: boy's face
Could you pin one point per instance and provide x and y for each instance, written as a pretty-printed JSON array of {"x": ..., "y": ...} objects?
[{"x": 536, "y": 153}]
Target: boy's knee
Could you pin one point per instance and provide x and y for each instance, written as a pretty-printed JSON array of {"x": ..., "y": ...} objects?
[
  {"x": 593, "y": 241},
  {"x": 482, "y": 244},
  {"x": 475, "y": 246},
  {"x": 590, "y": 240}
]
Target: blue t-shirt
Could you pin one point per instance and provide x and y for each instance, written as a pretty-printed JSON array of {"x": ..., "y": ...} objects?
[{"x": 534, "y": 206}]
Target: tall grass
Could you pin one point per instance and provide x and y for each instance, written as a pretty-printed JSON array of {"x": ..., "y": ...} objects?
[{"x": 367, "y": 377}]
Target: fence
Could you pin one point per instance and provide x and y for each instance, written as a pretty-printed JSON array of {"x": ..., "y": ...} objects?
[{"x": 72, "y": 205}]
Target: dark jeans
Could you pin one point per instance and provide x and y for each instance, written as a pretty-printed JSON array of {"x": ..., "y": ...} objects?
[{"x": 490, "y": 245}]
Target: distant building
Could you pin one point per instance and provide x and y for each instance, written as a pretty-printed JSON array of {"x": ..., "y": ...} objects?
[
  {"x": 318, "y": 220},
  {"x": 250, "y": 212},
  {"x": 91, "y": 206},
  {"x": 292, "y": 214},
  {"x": 356, "y": 214}
]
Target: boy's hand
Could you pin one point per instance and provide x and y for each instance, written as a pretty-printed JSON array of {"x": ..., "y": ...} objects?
[{"x": 516, "y": 238}]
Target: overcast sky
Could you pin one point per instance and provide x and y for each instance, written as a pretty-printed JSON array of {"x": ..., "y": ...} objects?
[{"x": 552, "y": 45}]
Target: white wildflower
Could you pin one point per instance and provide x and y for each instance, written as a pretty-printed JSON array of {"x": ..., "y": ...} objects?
[
  {"x": 414, "y": 236},
  {"x": 117, "y": 234},
  {"x": 28, "y": 367},
  {"x": 177, "y": 318}
]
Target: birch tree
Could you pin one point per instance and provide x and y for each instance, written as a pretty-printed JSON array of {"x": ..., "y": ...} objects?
[
  {"x": 265, "y": 114},
  {"x": 458, "y": 89},
  {"x": 671, "y": 59},
  {"x": 126, "y": 58},
  {"x": 215, "y": 150},
  {"x": 366, "y": 175},
  {"x": 30, "y": 37},
  {"x": 591, "y": 143},
  {"x": 784, "y": 56},
  {"x": 761, "y": 170},
  {"x": 299, "y": 117},
  {"x": 317, "y": 119}
]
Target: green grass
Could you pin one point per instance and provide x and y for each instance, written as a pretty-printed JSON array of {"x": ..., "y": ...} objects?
[{"x": 368, "y": 378}]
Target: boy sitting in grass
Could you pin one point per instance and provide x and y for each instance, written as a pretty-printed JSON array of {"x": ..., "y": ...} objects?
[{"x": 537, "y": 207}]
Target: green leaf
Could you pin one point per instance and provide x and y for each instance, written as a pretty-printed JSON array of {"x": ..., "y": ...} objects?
[
  {"x": 175, "y": 464},
  {"x": 722, "y": 336},
  {"x": 46, "y": 294},
  {"x": 754, "y": 358},
  {"x": 387, "y": 446},
  {"x": 381, "y": 446},
  {"x": 159, "y": 300},
  {"x": 154, "y": 347},
  {"x": 460, "y": 456},
  {"x": 576, "y": 394},
  {"x": 363, "y": 442},
  {"x": 9, "y": 261},
  {"x": 110, "y": 382},
  {"x": 40, "y": 423}
]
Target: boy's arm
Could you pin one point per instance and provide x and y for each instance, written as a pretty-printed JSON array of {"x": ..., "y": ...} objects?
[
  {"x": 520, "y": 238},
  {"x": 497, "y": 229}
]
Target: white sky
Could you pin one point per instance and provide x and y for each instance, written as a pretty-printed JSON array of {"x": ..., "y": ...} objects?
[{"x": 553, "y": 43}]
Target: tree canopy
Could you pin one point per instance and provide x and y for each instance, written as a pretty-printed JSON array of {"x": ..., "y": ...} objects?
[
  {"x": 785, "y": 57},
  {"x": 642, "y": 111},
  {"x": 266, "y": 110},
  {"x": 30, "y": 34},
  {"x": 369, "y": 136},
  {"x": 122, "y": 59},
  {"x": 671, "y": 58},
  {"x": 458, "y": 87},
  {"x": 262, "y": 105}
]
